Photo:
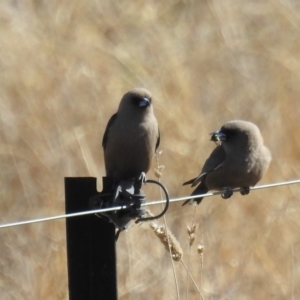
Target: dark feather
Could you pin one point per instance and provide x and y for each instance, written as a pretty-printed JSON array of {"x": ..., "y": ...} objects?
[
  {"x": 190, "y": 181},
  {"x": 158, "y": 140},
  {"x": 200, "y": 189},
  {"x": 110, "y": 122}
]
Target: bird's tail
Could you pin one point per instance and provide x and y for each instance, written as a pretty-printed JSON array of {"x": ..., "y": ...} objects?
[
  {"x": 190, "y": 181},
  {"x": 199, "y": 190},
  {"x": 196, "y": 180}
]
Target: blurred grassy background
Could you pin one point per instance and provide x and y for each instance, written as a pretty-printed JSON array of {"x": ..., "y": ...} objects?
[{"x": 64, "y": 66}]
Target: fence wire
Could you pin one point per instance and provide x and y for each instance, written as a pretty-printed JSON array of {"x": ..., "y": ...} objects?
[{"x": 89, "y": 212}]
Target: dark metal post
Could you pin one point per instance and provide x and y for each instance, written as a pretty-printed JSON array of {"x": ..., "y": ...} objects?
[{"x": 91, "y": 249}]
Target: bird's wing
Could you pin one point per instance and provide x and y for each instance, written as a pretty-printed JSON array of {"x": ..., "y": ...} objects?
[
  {"x": 214, "y": 162},
  {"x": 105, "y": 136}
]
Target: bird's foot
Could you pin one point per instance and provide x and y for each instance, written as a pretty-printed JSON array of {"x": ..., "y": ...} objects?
[
  {"x": 245, "y": 190},
  {"x": 227, "y": 192}
]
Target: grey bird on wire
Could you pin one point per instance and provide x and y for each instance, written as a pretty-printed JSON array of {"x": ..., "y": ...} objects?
[
  {"x": 239, "y": 161},
  {"x": 131, "y": 137}
]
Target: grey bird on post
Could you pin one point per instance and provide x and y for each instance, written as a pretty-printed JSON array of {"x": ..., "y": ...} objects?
[
  {"x": 131, "y": 137},
  {"x": 239, "y": 161}
]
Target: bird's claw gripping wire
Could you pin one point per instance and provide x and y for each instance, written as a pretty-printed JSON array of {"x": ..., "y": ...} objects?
[
  {"x": 227, "y": 192},
  {"x": 245, "y": 190},
  {"x": 125, "y": 193}
]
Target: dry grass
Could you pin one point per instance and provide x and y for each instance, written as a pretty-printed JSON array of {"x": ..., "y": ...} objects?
[{"x": 64, "y": 66}]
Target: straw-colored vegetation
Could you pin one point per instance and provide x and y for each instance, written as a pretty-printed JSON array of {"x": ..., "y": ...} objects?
[{"x": 64, "y": 66}]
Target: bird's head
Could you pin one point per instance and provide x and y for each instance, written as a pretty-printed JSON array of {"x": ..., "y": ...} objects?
[
  {"x": 238, "y": 131},
  {"x": 138, "y": 98}
]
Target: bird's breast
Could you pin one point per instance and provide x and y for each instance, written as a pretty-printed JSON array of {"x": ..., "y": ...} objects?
[{"x": 130, "y": 149}]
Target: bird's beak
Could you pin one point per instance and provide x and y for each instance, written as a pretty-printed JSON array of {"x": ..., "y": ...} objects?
[
  {"x": 144, "y": 102},
  {"x": 218, "y": 137}
]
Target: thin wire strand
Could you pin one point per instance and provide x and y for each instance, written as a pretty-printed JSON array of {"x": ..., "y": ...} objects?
[{"x": 89, "y": 212}]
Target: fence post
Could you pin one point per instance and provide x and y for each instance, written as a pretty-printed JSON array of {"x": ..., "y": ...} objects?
[{"x": 91, "y": 251}]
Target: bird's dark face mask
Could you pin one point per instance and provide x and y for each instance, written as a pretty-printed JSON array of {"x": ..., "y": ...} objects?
[
  {"x": 141, "y": 101},
  {"x": 218, "y": 137},
  {"x": 223, "y": 135}
]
